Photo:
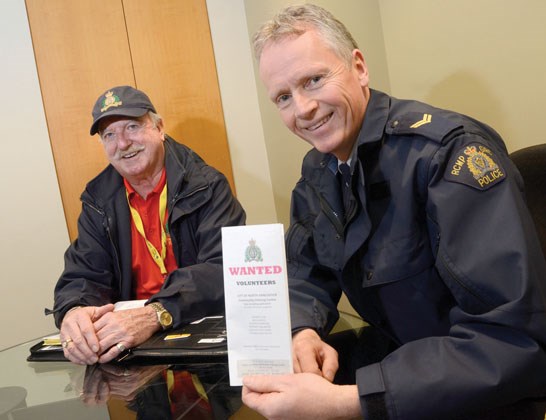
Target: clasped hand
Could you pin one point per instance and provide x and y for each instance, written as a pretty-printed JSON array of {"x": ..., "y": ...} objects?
[{"x": 97, "y": 334}]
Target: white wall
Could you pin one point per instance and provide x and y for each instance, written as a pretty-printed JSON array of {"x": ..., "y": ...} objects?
[
  {"x": 485, "y": 58},
  {"x": 32, "y": 226},
  {"x": 251, "y": 169}
]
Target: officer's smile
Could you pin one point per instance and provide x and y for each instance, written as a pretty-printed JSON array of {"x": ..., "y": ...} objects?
[{"x": 320, "y": 123}]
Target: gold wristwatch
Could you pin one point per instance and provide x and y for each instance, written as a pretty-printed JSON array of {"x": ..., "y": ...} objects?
[{"x": 164, "y": 318}]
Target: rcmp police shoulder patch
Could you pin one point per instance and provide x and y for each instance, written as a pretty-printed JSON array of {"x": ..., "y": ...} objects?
[{"x": 476, "y": 166}]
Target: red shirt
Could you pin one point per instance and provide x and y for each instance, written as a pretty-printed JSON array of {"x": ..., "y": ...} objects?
[{"x": 147, "y": 277}]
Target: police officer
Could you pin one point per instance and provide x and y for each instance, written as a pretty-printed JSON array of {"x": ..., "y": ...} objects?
[{"x": 427, "y": 234}]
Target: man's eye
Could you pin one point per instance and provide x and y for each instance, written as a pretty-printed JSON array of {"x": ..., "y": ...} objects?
[
  {"x": 282, "y": 99},
  {"x": 108, "y": 136},
  {"x": 132, "y": 127},
  {"x": 314, "y": 81}
]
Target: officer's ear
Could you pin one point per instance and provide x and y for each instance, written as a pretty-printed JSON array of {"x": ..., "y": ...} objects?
[{"x": 360, "y": 67}]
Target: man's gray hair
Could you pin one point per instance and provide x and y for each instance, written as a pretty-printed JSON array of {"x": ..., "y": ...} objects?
[
  {"x": 293, "y": 21},
  {"x": 156, "y": 118}
]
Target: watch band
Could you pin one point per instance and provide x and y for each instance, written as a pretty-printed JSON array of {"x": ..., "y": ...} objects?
[{"x": 163, "y": 316}]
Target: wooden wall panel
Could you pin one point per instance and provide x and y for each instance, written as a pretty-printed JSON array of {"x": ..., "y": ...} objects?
[
  {"x": 81, "y": 49},
  {"x": 163, "y": 47},
  {"x": 178, "y": 71}
]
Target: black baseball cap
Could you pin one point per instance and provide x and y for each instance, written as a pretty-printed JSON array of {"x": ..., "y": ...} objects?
[{"x": 125, "y": 101}]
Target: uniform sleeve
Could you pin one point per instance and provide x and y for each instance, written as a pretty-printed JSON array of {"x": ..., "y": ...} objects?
[
  {"x": 314, "y": 289},
  {"x": 197, "y": 289},
  {"x": 488, "y": 255}
]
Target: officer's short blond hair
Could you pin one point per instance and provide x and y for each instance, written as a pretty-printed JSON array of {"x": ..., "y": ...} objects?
[{"x": 296, "y": 20}]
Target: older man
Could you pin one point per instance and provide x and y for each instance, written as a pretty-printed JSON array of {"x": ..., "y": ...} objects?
[
  {"x": 149, "y": 230},
  {"x": 427, "y": 233}
]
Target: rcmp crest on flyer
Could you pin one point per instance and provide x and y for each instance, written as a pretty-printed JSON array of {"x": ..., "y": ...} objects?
[
  {"x": 475, "y": 165},
  {"x": 253, "y": 252}
]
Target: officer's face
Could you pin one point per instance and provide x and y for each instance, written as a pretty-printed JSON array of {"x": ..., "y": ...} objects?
[
  {"x": 320, "y": 98},
  {"x": 134, "y": 146}
]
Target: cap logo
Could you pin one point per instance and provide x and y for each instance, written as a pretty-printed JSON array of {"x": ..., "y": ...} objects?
[{"x": 110, "y": 100}]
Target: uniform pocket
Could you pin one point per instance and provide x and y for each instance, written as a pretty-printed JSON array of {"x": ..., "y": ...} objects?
[{"x": 396, "y": 260}]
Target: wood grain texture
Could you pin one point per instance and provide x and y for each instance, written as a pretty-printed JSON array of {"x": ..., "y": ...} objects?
[{"x": 162, "y": 47}]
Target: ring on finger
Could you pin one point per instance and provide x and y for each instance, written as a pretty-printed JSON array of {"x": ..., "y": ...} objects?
[
  {"x": 120, "y": 347},
  {"x": 66, "y": 342}
]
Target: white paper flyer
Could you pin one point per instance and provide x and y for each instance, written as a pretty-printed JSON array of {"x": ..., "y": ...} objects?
[{"x": 257, "y": 307}]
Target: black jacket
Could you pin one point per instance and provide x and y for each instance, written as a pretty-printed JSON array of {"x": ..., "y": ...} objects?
[
  {"x": 440, "y": 253},
  {"x": 98, "y": 263}
]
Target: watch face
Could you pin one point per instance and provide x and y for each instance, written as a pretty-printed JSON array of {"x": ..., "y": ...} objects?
[{"x": 166, "y": 319}]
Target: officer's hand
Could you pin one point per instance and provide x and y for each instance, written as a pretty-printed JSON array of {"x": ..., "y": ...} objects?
[
  {"x": 124, "y": 329},
  {"x": 299, "y": 396},
  {"x": 78, "y": 337},
  {"x": 313, "y": 355}
]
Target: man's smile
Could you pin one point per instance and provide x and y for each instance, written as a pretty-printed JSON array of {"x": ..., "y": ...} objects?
[
  {"x": 320, "y": 123},
  {"x": 130, "y": 153}
]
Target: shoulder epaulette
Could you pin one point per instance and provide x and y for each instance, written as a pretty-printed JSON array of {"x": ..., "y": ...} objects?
[{"x": 432, "y": 126}]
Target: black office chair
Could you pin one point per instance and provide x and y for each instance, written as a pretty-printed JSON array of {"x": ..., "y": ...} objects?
[{"x": 531, "y": 162}]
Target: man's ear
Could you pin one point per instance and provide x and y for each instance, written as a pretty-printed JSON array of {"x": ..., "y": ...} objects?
[
  {"x": 159, "y": 126},
  {"x": 359, "y": 65}
]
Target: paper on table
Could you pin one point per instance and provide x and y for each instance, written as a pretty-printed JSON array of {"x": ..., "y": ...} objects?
[
  {"x": 256, "y": 295},
  {"x": 129, "y": 304}
]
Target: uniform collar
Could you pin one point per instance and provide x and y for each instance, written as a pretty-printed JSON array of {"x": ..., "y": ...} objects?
[{"x": 375, "y": 118}]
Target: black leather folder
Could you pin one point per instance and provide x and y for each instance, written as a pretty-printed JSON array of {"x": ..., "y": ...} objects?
[{"x": 204, "y": 339}]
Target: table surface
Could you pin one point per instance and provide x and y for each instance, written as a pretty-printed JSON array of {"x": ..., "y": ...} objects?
[{"x": 63, "y": 390}]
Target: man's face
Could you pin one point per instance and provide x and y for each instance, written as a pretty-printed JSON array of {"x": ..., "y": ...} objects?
[
  {"x": 320, "y": 98},
  {"x": 134, "y": 146}
]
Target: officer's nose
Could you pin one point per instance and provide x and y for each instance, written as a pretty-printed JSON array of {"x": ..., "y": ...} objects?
[{"x": 304, "y": 107}]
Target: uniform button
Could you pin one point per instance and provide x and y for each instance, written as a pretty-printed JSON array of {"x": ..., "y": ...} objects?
[
  {"x": 394, "y": 123},
  {"x": 369, "y": 275},
  {"x": 338, "y": 237}
]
